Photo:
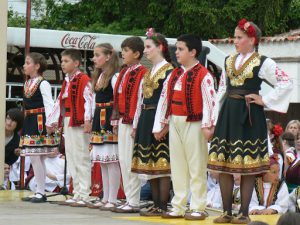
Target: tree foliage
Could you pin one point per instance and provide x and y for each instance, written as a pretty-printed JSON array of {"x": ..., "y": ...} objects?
[{"x": 208, "y": 18}]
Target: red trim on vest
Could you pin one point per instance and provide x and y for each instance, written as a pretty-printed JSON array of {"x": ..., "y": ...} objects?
[
  {"x": 75, "y": 98},
  {"x": 190, "y": 95},
  {"x": 125, "y": 103}
]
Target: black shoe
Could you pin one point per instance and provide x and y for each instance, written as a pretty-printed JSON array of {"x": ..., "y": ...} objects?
[
  {"x": 39, "y": 200},
  {"x": 28, "y": 198}
]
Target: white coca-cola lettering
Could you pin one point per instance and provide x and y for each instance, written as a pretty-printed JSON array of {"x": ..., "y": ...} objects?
[{"x": 84, "y": 42}]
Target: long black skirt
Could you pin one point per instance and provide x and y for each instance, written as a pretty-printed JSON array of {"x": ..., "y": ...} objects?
[
  {"x": 239, "y": 144},
  {"x": 149, "y": 155}
]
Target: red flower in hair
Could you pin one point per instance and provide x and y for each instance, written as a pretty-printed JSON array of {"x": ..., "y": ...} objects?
[
  {"x": 248, "y": 28},
  {"x": 277, "y": 130}
]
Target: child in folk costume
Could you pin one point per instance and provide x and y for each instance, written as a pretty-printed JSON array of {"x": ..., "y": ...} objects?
[
  {"x": 103, "y": 141},
  {"x": 38, "y": 104},
  {"x": 186, "y": 105},
  {"x": 125, "y": 100},
  {"x": 271, "y": 194},
  {"x": 239, "y": 144},
  {"x": 74, "y": 108},
  {"x": 150, "y": 155},
  {"x": 294, "y": 200}
]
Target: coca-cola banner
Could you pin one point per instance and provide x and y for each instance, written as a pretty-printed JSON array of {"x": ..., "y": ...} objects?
[{"x": 85, "y": 41}]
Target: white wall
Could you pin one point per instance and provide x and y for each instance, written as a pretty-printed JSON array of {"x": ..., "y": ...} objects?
[{"x": 286, "y": 56}]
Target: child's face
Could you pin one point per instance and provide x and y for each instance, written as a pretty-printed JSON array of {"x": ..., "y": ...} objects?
[
  {"x": 242, "y": 42},
  {"x": 294, "y": 129},
  {"x": 10, "y": 125},
  {"x": 151, "y": 51},
  {"x": 273, "y": 175},
  {"x": 6, "y": 170},
  {"x": 183, "y": 55},
  {"x": 30, "y": 68},
  {"x": 128, "y": 56},
  {"x": 69, "y": 65},
  {"x": 100, "y": 58}
]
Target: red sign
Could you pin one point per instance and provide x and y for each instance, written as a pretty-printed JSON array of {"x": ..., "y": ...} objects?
[{"x": 84, "y": 42}]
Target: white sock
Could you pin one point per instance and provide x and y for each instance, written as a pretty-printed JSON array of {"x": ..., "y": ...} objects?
[
  {"x": 114, "y": 176},
  {"x": 39, "y": 169},
  {"x": 105, "y": 182}
]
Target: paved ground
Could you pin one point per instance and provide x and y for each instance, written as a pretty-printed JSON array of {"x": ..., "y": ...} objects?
[{"x": 15, "y": 212}]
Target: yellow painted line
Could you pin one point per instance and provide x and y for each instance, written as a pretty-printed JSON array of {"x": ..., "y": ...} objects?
[{"x": 270, "y": 219}]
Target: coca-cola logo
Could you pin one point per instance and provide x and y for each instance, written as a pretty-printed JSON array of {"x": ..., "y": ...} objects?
[{"x": 84, "y": 42}]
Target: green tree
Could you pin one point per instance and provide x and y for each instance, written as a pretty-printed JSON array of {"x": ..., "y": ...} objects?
[{"x": 208, "y": 18}]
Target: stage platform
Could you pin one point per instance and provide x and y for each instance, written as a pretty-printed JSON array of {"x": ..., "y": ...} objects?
[{"x": 15, "y": 212}]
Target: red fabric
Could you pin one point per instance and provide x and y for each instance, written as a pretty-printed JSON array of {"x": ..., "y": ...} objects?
[
  {"x": 97, "y": 185},
  {"x": 125, "y": 103},
  {"x": 75, "y": 98},
  {"x": 190, "y": 95},
  {"x": 178, "y": 109}
]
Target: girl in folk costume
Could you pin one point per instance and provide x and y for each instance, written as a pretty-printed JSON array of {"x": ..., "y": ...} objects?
[
  {"x": 151, "y": 153},
  {"x": 103, "y": 141},
  {"x": 239, "y": 144},
  {"x": 271, "y": 194},
  {"x": 38, "y": 104}
]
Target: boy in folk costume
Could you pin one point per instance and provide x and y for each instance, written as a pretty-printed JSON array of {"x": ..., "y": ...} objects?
[
  {"x": 74, "y": 107},
  {"x": 187, "y": 104},
  {"x": 125, "y": 100}
]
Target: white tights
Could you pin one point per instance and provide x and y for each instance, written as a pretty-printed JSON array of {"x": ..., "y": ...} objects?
[
  {"x": 40, "y": 172},
  {"x": 111, "y": 176}
]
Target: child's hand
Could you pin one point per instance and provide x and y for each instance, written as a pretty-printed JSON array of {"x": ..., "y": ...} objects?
[
  {"x": 160, "y": 136},
  {"x": 115, "y": 129},
  {"x": 133, "y": 132},
  {"x": 255, "y": 212},
  {"x": 87, "y": 127},
  {"x": 268, "y": 211},
  {"x": 50, "y": 130},
  {"x": 208, "y": 132}
]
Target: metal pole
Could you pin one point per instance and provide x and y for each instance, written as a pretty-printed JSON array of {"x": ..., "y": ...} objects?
[
  {"x": 27, "y": 50},
  {"x": 3, "y": 60},
  {"x": 27, "y": 37}
]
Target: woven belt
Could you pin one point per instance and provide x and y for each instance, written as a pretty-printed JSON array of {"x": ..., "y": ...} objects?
[
  {"x": 240, "y": 94},
  {"x": 34, "y": 111},
  {"x": 148, "y": 106},
  {"x": 105, "y": 104},
  {"x": 176, "y": 103}
]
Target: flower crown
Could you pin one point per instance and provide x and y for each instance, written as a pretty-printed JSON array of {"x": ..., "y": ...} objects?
[
  {"x": 151, "y": 34},
  {"x": 248, "y": 28}
]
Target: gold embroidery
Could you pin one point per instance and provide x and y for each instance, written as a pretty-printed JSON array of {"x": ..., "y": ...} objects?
[
  {"x": 161, "y": 164},
  {"x": 141, "y": 148},
  {"x": 238, "y": 77},
  {"x": 151, "y": 83}
]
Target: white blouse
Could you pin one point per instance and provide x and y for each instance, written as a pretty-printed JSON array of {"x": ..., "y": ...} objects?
[
  {"x": 140, "y": 93},
  {"x": 278, "y": 98},
  {"x": 46, "y": 92},
  {"x": 113, "y": 83}
]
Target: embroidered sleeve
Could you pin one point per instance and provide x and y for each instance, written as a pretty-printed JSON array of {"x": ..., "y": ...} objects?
[
  {"x": 88, "y": 97},
  {"x": 55, "y": 113},
  {"x": 292, "y": 201},
  {"x": 138, "y": 106},
  {"x": 46, "y": 92},
  {"x": 222, "y": 89},
  {"x": 278, "y": 98},
  {"x": 161, "y": 109},
  {"x": 282, "y": 203},
  {"x": 114, "y": 80},
  {"x": 209, "y": 101}
]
